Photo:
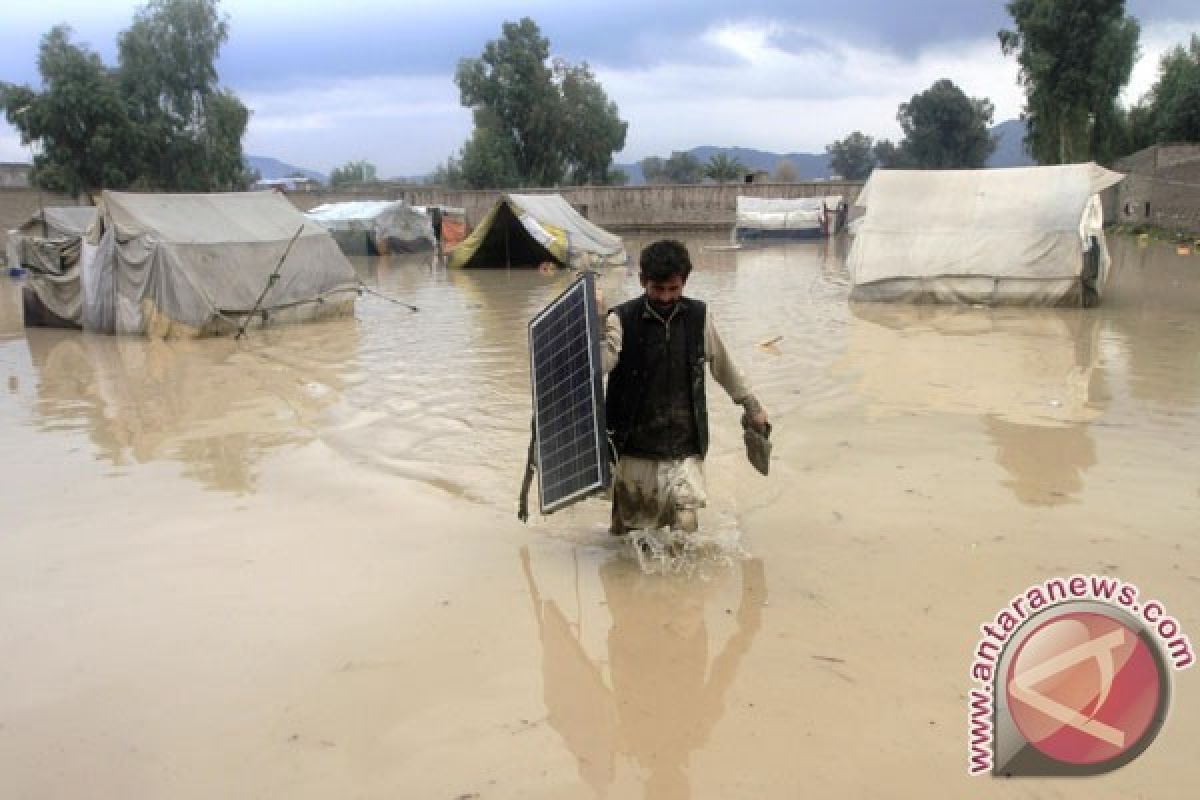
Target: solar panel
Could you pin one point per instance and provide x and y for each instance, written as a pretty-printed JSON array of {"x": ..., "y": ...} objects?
[{"x": 568, "y": 398}]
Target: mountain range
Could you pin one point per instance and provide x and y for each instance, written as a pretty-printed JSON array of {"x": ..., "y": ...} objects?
[
  {"x": 272, "y": 169},
  {"x": 1010, "y": 152}
]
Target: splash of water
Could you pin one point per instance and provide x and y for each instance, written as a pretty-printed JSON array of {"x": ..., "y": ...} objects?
[{"x": 663, "y": 551}]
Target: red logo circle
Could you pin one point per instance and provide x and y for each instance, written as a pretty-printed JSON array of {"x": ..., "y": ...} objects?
[{"x": 1084, "y": 688}]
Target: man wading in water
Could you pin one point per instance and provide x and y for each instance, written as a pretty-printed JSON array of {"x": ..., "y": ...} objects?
[{"x": 654, "y": 349}]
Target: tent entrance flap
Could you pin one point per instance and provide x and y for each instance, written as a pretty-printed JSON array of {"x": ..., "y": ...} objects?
[{"x": 507, "y": 243}]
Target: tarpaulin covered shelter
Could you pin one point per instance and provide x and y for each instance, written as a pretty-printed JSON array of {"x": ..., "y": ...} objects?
[
  {"x": 787, "y": 217},
  {"x": 49, "y": 241},
  {"x": 375, "y": 227},
  {"x": 525, "y": 230},
  {"x": 1021, "y": 236},
  {"x": 454, "y": 223},
  {"x": 196, "y": 264}
]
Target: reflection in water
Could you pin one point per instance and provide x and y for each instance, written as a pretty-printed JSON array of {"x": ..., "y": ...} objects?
[
  {"x": 1046, "y": 464},
  {"x": 1030, "y": 366},
  {"x": 665, "y": 694},
  {"x": 11, "y": 319},
  {"x": 215, "y": 405},
  {"x": 1030, "y": 375},
  {"x": 1153, "y": 300}
]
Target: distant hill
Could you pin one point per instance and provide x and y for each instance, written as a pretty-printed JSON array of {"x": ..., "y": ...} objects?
[
  {"x": 272, "y": 169},
  {"x": 1010, "y": 147},
  {"x": 1010, "y": 152}
]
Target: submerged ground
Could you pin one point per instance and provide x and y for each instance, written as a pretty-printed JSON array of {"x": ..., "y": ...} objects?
[{"x": 290, "y": 567}]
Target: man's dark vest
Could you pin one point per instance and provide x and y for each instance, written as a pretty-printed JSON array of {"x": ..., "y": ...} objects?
[{"x": 655, "y": 402}]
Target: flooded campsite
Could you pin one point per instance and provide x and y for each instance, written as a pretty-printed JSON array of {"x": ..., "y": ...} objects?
[{"x": 289, "y": 565}]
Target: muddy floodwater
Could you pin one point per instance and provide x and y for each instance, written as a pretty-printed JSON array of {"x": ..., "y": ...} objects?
[{"x": 289, "y": 566}]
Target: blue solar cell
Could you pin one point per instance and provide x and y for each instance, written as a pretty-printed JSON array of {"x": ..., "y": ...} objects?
[{"x": 571, "y": 441}]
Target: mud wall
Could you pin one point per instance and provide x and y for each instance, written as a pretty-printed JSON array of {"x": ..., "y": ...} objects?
[
  {"x": 1161, "y": 188},
  {"x": 617, "y": 207}
]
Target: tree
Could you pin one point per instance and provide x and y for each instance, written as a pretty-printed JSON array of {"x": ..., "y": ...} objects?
[
  {"x": 852, "y": 157},
  {"x": 890, "y": 156},
  {"x": 654, "y": 169},
  {"x": 448, "y": 175},
  {"x": 1174, "y": 100},
  {"x": 353, "y": 172},
  {"x": 617, "y": 177},
  {"x": 1075, "y": 56},
  {"x": 683, "y": 167},
  {"x": 158, "y": 121},
  {"x": 594, "y": 130},
  {"x": 534, "y": 125},
  {"x": 723, "y": 169},
  {"x": 79, "y": 118},
  {"x": 945, "y": 129},
  {"x": 189, "y": 129},
  {"x": 786, "y": 172}
]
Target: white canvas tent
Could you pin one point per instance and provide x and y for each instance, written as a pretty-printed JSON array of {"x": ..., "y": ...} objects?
[
  {"x": 1022, "y": 236},
  {"x": 376, "y": 227},
  {"x": 196, "y": 264},
  {"x": 786, "y": 217},
  {"x": 529, "y": 229}
]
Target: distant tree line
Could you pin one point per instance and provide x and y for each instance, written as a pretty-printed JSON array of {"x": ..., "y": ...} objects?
[
  {"x": 683, "y": 167},
  {"x": 353, "y": 172},
  {"x": 158, "y": 120}
]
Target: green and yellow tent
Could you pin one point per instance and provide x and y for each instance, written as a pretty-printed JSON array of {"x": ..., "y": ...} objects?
[{"x": 526, "y": 230}]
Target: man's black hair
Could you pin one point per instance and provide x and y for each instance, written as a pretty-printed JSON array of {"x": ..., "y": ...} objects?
[{"x": 664, "y": 258}]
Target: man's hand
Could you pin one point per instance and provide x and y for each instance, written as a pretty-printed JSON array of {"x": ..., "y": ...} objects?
[
  {"x": 599, "y": 300},
  {"x": 755, "y": 413}
]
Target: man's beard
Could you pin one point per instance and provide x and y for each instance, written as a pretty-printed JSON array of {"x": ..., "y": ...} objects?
[{"x": 662, "y": 309}]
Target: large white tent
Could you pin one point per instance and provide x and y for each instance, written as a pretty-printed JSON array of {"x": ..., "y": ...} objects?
[
  {"x": 197, "y": 264},
  {"x": 1021, "y": 236}
]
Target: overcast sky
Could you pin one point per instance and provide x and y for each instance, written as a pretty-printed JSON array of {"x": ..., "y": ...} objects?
[{"x": 328, "y": 82}]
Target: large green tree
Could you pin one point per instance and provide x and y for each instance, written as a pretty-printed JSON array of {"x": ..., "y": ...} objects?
[
  {"x": 78, "y": 118},
  {"x": 535, "y": 124},
  {"x": 593, "y": 129},
  {"x": 1174, "y": 100},
  {"x": 1075, "y": 57},
  {"x": 190, "y": 130},
  {"x": 945, "y": 129},
  {"x": 889, "y": 155},
  {"x": 158, "y": 121},
  {"x": 853, "y": 158}
]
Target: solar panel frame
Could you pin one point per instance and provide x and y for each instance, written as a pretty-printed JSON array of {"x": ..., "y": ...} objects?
[{"x": 567, "y": 377}]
